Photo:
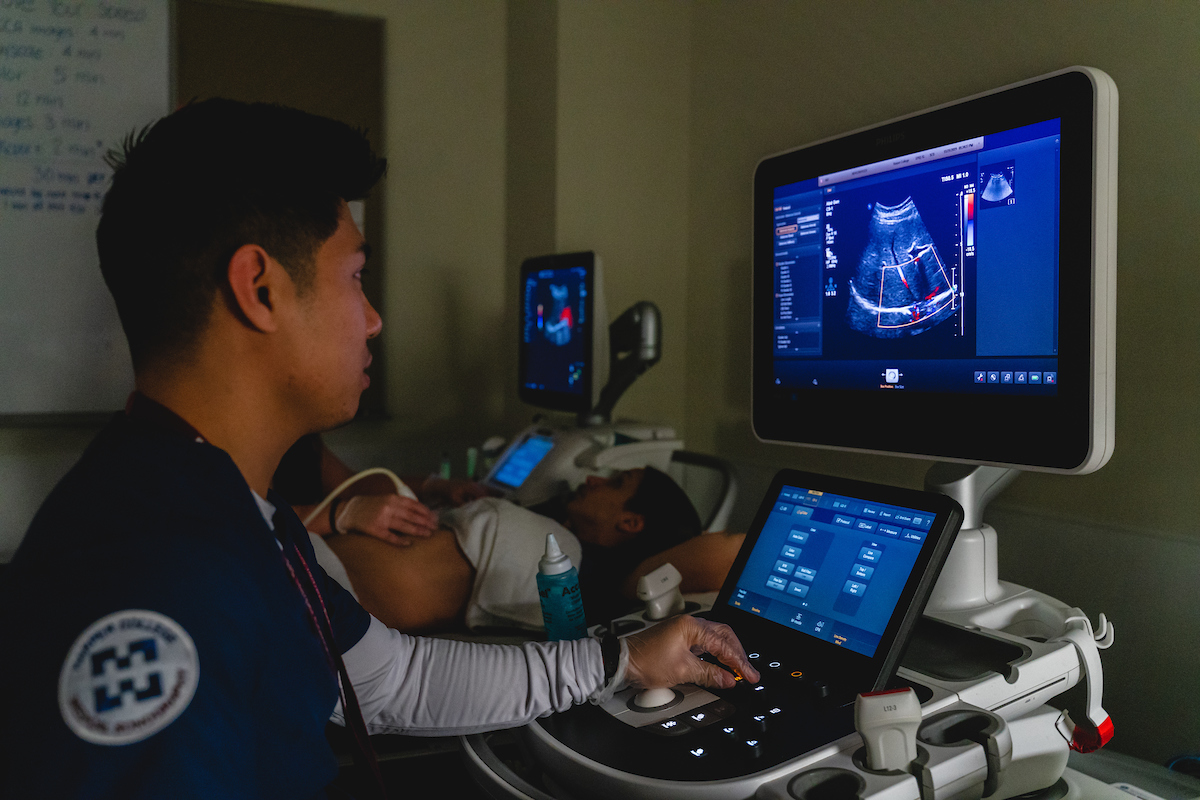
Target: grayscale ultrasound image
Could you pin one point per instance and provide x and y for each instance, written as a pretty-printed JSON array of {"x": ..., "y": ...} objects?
[{"x": 902, "y": 287}]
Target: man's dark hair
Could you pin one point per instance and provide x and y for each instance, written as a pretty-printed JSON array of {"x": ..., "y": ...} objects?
[
  {"x": 670, "y": 517},
  {"x": 195, "y": 186}
]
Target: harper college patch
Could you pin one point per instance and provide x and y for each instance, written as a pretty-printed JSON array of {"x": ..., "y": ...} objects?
[{"x": 128, "y": 676}]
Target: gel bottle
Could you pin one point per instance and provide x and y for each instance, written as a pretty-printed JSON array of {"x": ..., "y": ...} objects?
[{"x": 558, "y": 588}]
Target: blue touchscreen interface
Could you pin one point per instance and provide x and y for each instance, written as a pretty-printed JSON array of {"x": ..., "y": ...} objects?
[
  {"x": 521, "y": 460},
  {"x": 931, "y": 271},
  {"x": 832, "y": 566}
]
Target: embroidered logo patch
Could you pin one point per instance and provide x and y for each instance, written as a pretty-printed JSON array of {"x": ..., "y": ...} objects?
[{"x": 128, "y": 676}]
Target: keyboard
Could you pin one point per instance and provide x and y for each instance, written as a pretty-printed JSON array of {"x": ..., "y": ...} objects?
[{"x": 710, "y": 734}]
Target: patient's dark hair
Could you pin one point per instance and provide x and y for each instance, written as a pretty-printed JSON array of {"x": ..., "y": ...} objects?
[
  {"x": 670, "y": 517},
  {"x": 195, "y": 186}
]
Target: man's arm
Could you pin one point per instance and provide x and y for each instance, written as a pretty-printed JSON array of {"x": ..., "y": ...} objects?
[{"x": 439, "y": 687}]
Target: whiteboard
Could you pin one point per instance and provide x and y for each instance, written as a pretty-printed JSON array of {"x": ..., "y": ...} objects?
[{"x": 76, "y": 76}]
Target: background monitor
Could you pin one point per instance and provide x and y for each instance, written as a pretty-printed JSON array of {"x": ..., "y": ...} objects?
[
  {"x": 563, "y": 341},
  {"x": 943, "y": 285}
]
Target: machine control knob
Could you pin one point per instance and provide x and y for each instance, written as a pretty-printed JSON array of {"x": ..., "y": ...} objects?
[{"x": 654, "y": 698}]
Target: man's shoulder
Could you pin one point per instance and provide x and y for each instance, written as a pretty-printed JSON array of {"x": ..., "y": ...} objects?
[
  {"x": 140, "y": 522},
  {"x": 132, "y": 483}
]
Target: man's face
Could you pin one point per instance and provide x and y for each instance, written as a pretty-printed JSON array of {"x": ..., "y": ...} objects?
[
  {"x": 327, "y": 356},
  {"x": 597, "y": 513}
]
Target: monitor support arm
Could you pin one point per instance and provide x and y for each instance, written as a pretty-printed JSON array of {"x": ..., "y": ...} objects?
[
  {"x": 969, "y": 591},
  {"x": 970, "y": 578},
  {"x": 635, "y": 345}
]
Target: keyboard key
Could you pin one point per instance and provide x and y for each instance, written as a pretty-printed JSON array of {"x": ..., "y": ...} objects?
[
  {"x": 753, "y": 747},
  {"x": 671, "y": 727},
  {"x": 699, "y": 752}
]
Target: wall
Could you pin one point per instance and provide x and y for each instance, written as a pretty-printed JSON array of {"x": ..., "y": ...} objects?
[
  {"x": 768, "y": 76},
  {"x": 443, "y": 275}
]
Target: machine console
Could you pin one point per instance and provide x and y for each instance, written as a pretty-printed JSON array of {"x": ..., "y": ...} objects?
[{"x": 827, "y": 588}]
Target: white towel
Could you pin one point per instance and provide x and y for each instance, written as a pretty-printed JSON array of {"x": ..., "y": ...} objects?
[{"x": 504, "y": 543}]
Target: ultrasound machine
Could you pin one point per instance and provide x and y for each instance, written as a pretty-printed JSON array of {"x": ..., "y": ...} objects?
[
  {"x": 940, "y": 286},
  {"x": 571, "y": 359}
]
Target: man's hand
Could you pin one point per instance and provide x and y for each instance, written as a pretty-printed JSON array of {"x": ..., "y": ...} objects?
[
  {"x": 384, "y": 516},
  {"x": 453, "y": 492},
  {"x": 665, "y": 655}
]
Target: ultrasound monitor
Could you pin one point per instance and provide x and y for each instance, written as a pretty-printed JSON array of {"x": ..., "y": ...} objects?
[
  {"x": 943, "y": 285},
  {"x": 563, "y": 342}
]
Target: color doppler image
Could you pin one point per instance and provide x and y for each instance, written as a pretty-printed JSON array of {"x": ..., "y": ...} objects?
[{"x": 903, "y": 286}]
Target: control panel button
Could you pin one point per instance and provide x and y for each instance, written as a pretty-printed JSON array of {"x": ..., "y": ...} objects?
[
  {"x": 671, "y": 727},
  {"x": 701, "y": 717}
]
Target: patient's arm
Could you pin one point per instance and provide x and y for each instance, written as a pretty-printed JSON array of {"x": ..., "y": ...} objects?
[
  {"x": 703, "y": 561},
  {"x": 369, "y": 505},
  {"x": 422, "y": 587}
]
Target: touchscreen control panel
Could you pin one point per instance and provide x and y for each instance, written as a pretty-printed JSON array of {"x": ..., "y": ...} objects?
[{"x": 832, "y": 566}]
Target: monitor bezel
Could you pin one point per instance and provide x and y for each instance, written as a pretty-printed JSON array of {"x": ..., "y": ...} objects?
[
  {"x": 1035, "y": 432},
  {"x": 863, "y": 673},
  {"x": 546, "y": 398}
]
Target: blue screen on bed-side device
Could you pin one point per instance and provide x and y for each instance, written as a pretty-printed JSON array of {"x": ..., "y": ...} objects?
[
  {"x": 521, "y": 461},
  {"x": 832, "y": 566}
]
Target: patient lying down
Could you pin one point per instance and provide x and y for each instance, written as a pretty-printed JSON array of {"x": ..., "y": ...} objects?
[{"x": 478, "y": 567}]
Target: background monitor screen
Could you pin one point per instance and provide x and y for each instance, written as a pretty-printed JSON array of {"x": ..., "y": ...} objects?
[
  {"x": 927, "y": 287},
  {"x": 557, "y": 352}
]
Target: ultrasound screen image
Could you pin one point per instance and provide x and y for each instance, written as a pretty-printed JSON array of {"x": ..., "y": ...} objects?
[
  {"x": 903, "y": 287},
  {"x": 998, "y": 184},
  {"x": 554, "y": 315},
  {"x": 923, "y": 273}
]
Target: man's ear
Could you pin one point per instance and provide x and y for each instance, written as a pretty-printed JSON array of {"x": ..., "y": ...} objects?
[
  {"x": 254, "y": 286},
  {"x": 630, "y": 522}
]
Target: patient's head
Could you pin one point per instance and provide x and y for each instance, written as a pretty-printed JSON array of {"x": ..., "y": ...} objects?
[
  {"x": 641, "y": 505},
  {"x": 190, "y": 190}
]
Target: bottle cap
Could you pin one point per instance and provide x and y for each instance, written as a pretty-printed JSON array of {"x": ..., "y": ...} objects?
[{"x": 555, "y": 561}]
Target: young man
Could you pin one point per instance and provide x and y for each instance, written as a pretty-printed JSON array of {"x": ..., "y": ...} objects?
[
  {"x": 479, "y": 566},
  {"x": 167, "y": 631}
]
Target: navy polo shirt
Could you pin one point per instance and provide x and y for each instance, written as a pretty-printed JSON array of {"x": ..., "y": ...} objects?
[{"x": 154, "y": 643}]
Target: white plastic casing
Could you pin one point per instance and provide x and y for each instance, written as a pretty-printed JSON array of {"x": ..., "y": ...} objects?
[{"x": 888, "y": 723}]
